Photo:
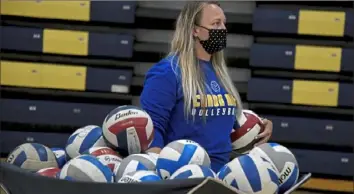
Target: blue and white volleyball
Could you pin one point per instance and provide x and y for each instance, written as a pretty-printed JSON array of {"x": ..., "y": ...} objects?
[
  {"x": 86, "y": 168},
  {"x": 283, "y": 160},
  {"x": 83, "y": 139},
  {"x": 135, "y": 163},
  {"x": 60, "y": 156},
  {"x": 129, "y": 129},
  {"x": 250, "y": 175},
  {"x": 193, "y": 171},
  {"x": 153, "y": 155},
  {"x": 140, "y": 176},
  {"x": 180, "y": 153},
  {"x": 68, "y": 178},
  {"x": 32, "y": 156}
]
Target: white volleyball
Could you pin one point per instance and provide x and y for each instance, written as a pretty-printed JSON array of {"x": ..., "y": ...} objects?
[
  {"x": 250, "y": 174},
  {"x": 135, "y": 163},
  {"x": 60, "y": 156},
  {"x": 180, "y": 153},
  {"x": 140, "y": 176},
  {"x": 283, "y": 160},
  {"x": 86, "y": 168},
  {"x": 33, "y": 157},
  {"x": 193, "y": 171},
  {"x": 83, "y": 139}
]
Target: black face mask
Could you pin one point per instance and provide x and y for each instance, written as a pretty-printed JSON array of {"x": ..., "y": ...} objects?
[{"x": 216, "y": 41}]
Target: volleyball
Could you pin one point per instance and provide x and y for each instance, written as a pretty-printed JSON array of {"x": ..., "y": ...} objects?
[
  {"x": 129, "y": 129},
  {"x": 49, "y": 172},
  {"x": 135, "y": 163},
  {"x": 86, "y": 168},
  {"x": 115, "y": 170},
  {"x": 180, "y": 153},
  {"x": 247, "y": 126},
  {"x": 250, "y": 174},
  {"x": 193, "y": 171},
  {"x": 139, "y": 176},
  {"x": 105, "y": 155},
  {"x": 60, "y": 156},
  {"x": 83, "y": 139},
  {"x": 32, "y": 156},
  {"x": 283, "y": 160},
  {"x": 153, "y": 155}
]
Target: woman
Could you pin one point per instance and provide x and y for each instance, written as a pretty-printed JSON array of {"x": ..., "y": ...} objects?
[{"x": 189, "y": 94}]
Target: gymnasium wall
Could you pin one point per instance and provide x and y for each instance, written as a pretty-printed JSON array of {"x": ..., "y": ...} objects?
[{"x": 65, "y": 64}]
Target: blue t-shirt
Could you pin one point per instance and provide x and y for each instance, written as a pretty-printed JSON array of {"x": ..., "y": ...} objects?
[{"x": 162, "y": 98}]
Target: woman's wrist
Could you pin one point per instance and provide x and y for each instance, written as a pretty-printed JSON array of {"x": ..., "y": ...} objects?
[{"x": 156, "y": 150}]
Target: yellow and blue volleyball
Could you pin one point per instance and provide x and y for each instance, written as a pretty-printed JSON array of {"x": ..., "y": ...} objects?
[
  {"x": 140, "y": 176},
  {"x": 83, "y": 139},
  {"x": 180, "y": 153},
  {"x": 283, "y": 160},
  {"x": 60, "y": 156},
  {"x": 250, "y": 174},
  {"x": 193, "y": 171},
  {"x": 33, "y": 157},
  {"x": 86, "y": 168}
]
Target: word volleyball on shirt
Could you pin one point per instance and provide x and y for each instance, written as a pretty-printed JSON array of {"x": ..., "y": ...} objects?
[{"x": 214, "y": 105}]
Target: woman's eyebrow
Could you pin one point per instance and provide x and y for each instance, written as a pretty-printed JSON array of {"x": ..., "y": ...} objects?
[
  {"x": 216, "y": 20},
  {"x": 219, "y": 20}
]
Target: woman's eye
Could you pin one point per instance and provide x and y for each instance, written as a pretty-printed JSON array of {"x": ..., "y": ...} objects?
[{"x": 216, "y": 24}]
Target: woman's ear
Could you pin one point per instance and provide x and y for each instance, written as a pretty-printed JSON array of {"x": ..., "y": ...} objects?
[{"x": 195, "y": 32}]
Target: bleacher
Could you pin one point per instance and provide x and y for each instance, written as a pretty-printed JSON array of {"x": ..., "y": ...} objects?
[{"x": 65, "y": 64}]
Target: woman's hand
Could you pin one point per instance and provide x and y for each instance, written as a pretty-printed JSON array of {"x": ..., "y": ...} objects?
[
  {"x": 155, "y": 150},
  {"x": 267, "y": 133}
]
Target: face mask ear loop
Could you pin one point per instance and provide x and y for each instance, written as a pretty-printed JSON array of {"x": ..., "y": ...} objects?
[{"x": 201, "y": 27}]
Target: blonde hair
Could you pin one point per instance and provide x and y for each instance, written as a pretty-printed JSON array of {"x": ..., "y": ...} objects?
[{"x": 193, "y": 81}]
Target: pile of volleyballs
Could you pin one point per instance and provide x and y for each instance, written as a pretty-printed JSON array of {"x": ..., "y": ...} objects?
[{"x": 116, "y": 153}]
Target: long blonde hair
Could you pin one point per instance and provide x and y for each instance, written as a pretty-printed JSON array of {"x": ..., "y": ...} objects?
[{"x": 193, "y": 81}]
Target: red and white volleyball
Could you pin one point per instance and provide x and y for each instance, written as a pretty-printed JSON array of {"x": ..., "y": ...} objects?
[
  {"x": 49, "y": 172},
  {"x": 106, "y": 155},
  {"x": 246, "y": 128},
  {"x": 129, "y": 129}
]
